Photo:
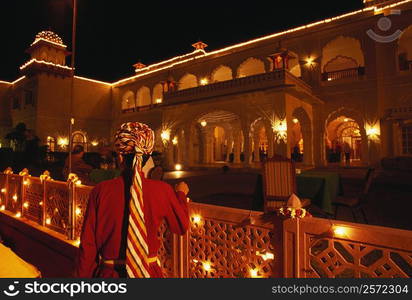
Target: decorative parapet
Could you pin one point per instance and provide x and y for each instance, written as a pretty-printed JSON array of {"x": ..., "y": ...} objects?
[
  {"x": 399, "y": 113},
  {"x": 278, "y": 78}
]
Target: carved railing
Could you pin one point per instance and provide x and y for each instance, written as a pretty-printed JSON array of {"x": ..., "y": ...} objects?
[
  {"x": 231, "y": 243},
  {"x": 343, "y": 74},
  {"x": 316, "y": 247},
  {"x": 226, "y": 242},
  {"x": 237, "y": 85}
]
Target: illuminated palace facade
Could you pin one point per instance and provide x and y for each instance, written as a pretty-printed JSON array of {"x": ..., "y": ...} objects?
[{"x": 308, "y": 89}]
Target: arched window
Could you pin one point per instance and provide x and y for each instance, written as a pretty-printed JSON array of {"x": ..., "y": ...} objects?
[
  {"x": 251, "y": 66},
  {"x": 342, "y": 58},
  {"x": 128, "y": 102},
  {"x": 157, "y": 94},
  {"x": 405, "y": 50},
  {"x": 187, "y": 81},
  {"x": 222, "y": 73},
  {"x": 51, "y": 144},
  {"x": 79, "y": 138},
  {"x": 143, "y": 96}
]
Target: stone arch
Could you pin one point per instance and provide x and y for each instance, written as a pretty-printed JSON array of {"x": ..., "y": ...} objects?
[
  {"x": 405, "y": 49},
  {"x": 143, "y": 97},
  {"x": 222, "y": 73},
  {"x": 187, "y": 81},
  {"x": 345, "y": 49},
  {"x": 260, "y": 140},
  {"x": 354, "y": 115},
  {"x": 157, "y": 93},
  {"x": 80, "y": 138},
  {"x": 128, "y": 101},
  {"x": 250, "y": 66},
  {"x": 306, "y": 129}
]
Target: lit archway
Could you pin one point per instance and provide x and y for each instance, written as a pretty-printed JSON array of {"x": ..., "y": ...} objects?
[
  {"x": 143, "y": 96},
  {"x": 187, "y": 81},
  {"x": 222, "y": 73},
  {"x": 405, "y": 50},
  {"x": 80, "y": 138},
  {"x": 251, "y": 66},
  {"x": 302, "y": 136},
  {"x": 157, "y": 94},
  {"x": 128, "y": 102}
]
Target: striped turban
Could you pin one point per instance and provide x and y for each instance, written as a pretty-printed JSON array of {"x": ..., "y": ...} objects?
[{"x": 134, "y": 137}]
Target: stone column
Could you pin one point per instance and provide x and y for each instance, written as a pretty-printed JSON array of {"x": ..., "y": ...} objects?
[
  {"x": 237, "y": 145},
  {"x": 247, "y": 147},
  {"x": 256, "y": 149},
  {"x": 188, "y": 156}
]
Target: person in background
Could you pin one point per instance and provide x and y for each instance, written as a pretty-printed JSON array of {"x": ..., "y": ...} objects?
[
  {"x": 346, "y": 150},
  {"x": 119, "y": 236},
  {"x": 79, "y": 166}
]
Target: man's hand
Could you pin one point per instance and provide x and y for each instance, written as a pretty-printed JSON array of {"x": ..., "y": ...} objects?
[{"x": 182, "y": 187}]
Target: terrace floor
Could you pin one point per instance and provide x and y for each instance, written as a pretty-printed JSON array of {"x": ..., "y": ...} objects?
[{"x": 389, "y": 201}]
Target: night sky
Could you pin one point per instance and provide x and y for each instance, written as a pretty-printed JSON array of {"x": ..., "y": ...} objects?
[{"x": 113, "y": 35}]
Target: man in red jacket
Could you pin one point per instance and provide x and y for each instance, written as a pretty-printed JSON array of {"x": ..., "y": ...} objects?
[{"x": 119, "y": 237}]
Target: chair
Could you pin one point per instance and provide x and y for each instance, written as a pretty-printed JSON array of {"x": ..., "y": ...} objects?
[
  {"x": 356, "y": 203},
  {"x": 279, "y": 182}
]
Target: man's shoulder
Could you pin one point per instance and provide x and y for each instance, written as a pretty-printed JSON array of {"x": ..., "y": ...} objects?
[
  {"x": 158, "y": 184},
  {"x": 109, "y": 184}
]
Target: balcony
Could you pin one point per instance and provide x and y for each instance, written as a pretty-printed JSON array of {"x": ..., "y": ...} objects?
[
  {"x": 277, "y": 79},
  {"x": 343, "y": 74},
  {"x": 399, "y": 113}
]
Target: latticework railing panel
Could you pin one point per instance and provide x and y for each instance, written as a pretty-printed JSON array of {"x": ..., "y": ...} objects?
[
  {"x": 334, "y": 258},
  {"x": 57, "y": 206},
  {"x": 14, "y": 194},
  {"x": 33, "y": 200},
  {"x": 82, "y": 197},
  {"x": 225, "y": 248},
  {"x": 3, "y": 190},
  {"x": 165, "y": 253}
]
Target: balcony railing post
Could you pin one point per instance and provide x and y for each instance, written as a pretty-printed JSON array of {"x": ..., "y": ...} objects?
[
  {"x": 44, "y": 201},
  {"x": 72, "y": 211}
]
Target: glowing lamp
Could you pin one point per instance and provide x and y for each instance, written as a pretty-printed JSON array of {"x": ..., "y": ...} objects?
[
  {"x": 345, "y": 120},
  {"x": 158, "y": 100},
  {"x": 3, "y": 207},
  {"x": 63, "y": 142},
  {"x": 15, "y": 197},
  {"x": 204, "y": 81},
  {"x": 310, "y": 61},
  {"x": 174, "y": 141},
  {"x": 373, "y": 131},
  {"x": 95, "y": 143},
  {"x": 78, "y": 182},
  {"x": 339, "y": 230},
  {"x": 78, "y": 211},
  {"x": 178, "y": 167},
  {"x": 268, "y": 256},
  {"x": 165, "y": 135},
  {"x": 197, "y": 219},
  {"x": 206, "y": 266},
  {"x": 77, "y": 242},
  {"x": 48, "y": 221},
  {"x": 281, "y": 131},
  {"x": 41, "y": 203},
  {"x": 26, "y": 205},
  {"x": 253, "y": 273},
  {"x": 3, "y": 191},
  {"x": 203, "y": 123},
  {"x": 26, "y": 182},
  {"x": 295, "y": 121},
  {"x": 18, "y": 215}
]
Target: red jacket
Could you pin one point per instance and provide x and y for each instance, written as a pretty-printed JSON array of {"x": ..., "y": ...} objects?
[{"x": 105, "y": 226}]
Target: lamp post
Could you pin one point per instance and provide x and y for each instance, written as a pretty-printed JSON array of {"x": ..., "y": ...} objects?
[{"x": 71, "y": 123}]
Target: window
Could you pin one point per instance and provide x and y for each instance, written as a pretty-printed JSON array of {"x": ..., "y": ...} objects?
[
  {"x": 407, "y": 139},
  {"x": 28, "y": 98},
  {"x": 16, "y": 103}
]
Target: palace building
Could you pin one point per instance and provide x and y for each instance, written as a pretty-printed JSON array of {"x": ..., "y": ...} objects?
[{"x": 310, "y": 89}]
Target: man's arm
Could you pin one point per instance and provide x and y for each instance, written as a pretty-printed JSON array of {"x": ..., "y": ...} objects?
[
  {"x": 177, "y": 215},
  {"x": 87, "y": 257}
]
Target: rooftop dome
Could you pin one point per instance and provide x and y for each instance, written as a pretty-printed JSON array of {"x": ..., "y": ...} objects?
[{"x": 49, "y": 36}]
